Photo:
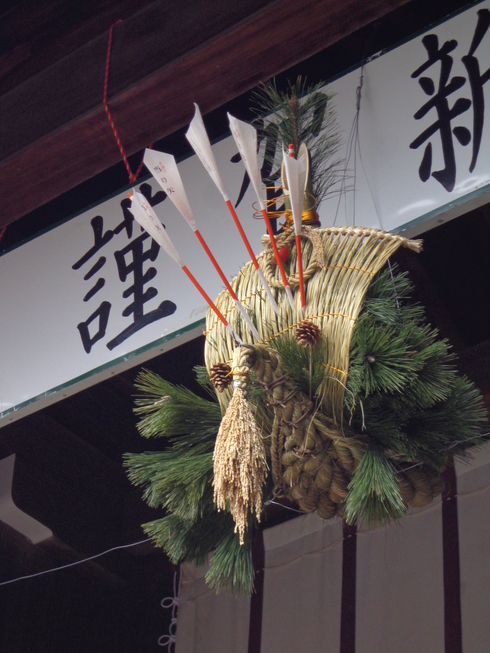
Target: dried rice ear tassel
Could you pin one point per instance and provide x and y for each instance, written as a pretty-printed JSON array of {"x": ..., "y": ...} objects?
[{"x": 239, "y": 455}]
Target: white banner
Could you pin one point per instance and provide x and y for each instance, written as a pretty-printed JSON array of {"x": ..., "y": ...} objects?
[
  {"x": 95, "y": 294},
  {"x": 423, "y": 130}
]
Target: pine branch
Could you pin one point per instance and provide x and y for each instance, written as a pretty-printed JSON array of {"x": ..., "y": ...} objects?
[
  {"x": 402, "y": 387},
  {"x": 179, "y": 482},
  {"x": 390, "y": 283},
  {"x": 189, "y": 541},
  {"x": 451, "y": 426},
  {"x": 202, "y": 377},
  {"x": 295, "y": 361},
  {"x": 381, "y": 360},
  {"x": 374, "y": 495},
  {"x": 300, "y": 115},
  {"x": 231, "y": 565},
  {"x": 174, "y": 411}
]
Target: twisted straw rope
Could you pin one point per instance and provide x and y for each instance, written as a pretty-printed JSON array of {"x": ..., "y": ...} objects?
[{"x": 312, "y": 458}]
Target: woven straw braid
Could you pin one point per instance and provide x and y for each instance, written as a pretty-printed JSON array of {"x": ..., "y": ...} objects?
[{"x": 339, "y": 264}]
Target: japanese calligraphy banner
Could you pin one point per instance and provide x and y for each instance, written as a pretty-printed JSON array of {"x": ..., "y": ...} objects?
[
  {"x": 95, "y": 294},
  {"x": 419, "y": 151}
]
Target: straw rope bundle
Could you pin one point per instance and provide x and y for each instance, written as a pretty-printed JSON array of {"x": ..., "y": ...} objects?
[
  {"x": 313, "y": 454},
  {"x": 354, "y": 418},
  {"x": 339, "y": 264}
]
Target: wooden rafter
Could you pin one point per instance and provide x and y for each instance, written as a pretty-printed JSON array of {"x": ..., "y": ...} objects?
[{"x": 54, "y": 133}]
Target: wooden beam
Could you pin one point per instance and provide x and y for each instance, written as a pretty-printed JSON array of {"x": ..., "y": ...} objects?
[
  {"x": 67, "y": 485},
  {"x": 55, "y": 134},
  {"x": 35, "y": 35}
]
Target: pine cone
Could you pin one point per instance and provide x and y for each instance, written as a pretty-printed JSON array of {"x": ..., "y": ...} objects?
[
  {"x": 221, "y": 376},
  {"x": 308, "y": 334}
]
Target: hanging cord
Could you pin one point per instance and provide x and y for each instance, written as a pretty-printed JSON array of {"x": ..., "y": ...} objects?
[
  {"x": 354, "y": 144},
  {"x": 276, "y": 503},
  {"x": 132, "y": 177},
  {"x": 171, "y": 602},
  {"x": 73, "y": 564}
]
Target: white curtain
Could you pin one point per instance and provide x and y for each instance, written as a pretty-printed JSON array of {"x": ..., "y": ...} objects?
[
  {"x": 474, "y": 550},
  {"x": 208, "y": 622},
  {"x": 302, "y": 586},
  {"x": 400, "y": 592}
]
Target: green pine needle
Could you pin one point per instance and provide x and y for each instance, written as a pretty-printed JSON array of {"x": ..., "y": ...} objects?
[
  {"x": 381, "y": 360},
  {"x": 187, "y": 541},
  {"x": 202, "y": 377},
  {"x": 172, "y": 411},
  {"x": 391, "y": 284},
  {"x": 295, "y": 360},
  {"x": 231, "y": 566},
  {"x": 403, "y": 394},
  {"x": 176, "y": 481},
  {"x": 303, "y": 114},
  {"x": 374, "y": 496},
  {"x": 451, "y": 427}
]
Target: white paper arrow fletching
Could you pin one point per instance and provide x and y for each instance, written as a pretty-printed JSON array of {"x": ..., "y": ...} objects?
[
  {"x": 199, "y": 140},
  {"x": 148, "y": 219},
  {"x": 164, "y": 168},
  {"x": 245, "y": 136},
  {"x": 296, "y": 177}
]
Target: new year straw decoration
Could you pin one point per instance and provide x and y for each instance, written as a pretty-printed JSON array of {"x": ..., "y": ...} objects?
[
  {"x": 245, "y": 136},
  {"x": 148, "y": 219},
  {"x": 199, "y": 140},
  {"x": 164, "y": 168},
  {"x": 296, "y": 177}
]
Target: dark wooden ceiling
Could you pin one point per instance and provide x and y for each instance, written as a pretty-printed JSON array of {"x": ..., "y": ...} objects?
[
  {"x": 68, "y": 471},
  {"x": 165, "y": 55}
]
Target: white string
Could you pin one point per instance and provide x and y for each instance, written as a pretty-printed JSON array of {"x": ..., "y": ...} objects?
[
  {"x": 72, "y": 564},
  {"x": 354, "y": 147},
  {"x": 301, "y": 512},
  {"x": 171, "y": 602},
  {"x": 343, "y": 189},
  {"x": 453, "y": 444}
]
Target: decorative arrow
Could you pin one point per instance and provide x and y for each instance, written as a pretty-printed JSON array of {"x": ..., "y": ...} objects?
[
  {"x": 245, "y": 136},
  {"x": 296, "y": 177},
  {"x": 199, "y": 140},
  {"x": 148, "y": 219},
  {"x": 164, "y": 168}
]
